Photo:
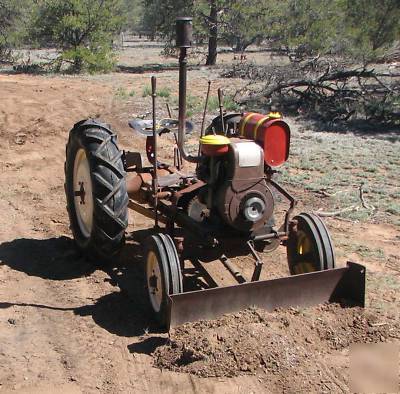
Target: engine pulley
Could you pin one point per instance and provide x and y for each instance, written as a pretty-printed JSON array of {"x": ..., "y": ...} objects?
[{"x": 253, "y": 208}]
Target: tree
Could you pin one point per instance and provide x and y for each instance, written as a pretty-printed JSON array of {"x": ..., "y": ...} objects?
[
  {"x": 13, "y": 16},
  {"x": 133, "y": 11},
  {"x": 82, "y": 30},
  {"x": 247, "y": 22},
  {"x": 359, "y": 29},
  {"x": 307, "y": 27},
  {"x": 159, "y": 19},
  {"x": 211, "y": 21},
  {"x": 159, "y": 16},
  {"x": 371, "y": 27}
]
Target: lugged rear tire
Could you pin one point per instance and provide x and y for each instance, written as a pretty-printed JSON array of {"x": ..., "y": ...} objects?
[{"x": 93, "y": 159}]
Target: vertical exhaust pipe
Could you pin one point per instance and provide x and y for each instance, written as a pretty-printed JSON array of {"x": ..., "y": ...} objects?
[{"x": 183, "y": 41}]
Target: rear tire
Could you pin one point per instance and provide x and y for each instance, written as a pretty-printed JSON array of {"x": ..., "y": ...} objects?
[
  {"x": 309, "y": 247},
  {"x": 95, "y": 187},
  {"x": 163, "y": 274}
]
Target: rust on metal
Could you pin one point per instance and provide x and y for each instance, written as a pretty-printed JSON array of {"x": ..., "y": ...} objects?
[
  {"x": 231, "y": 267},
  {"x": 149, "y": 213},
  {"x": 336, "y": 285}
]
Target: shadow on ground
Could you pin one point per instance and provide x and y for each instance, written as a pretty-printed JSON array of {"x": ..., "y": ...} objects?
[
  {"x": 123, "y": 313},
  {"x": 53, "y": 258}
]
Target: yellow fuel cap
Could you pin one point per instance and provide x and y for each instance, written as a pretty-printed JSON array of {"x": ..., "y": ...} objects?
[
  {"x": 214, "y": 139},
  {"x": 275, "y": 115}
]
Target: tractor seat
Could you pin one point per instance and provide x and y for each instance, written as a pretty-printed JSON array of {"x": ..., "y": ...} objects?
[{"x": 145, "y": 126}]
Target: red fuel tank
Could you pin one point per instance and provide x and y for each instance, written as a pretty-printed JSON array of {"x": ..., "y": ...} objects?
[{"x": 271, "y": 132}]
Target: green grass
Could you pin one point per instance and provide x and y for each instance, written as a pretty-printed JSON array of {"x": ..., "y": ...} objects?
[
  {"x": 195, "y": 105},
  {"x": 146, "y": 91},
  {"x": 229, "y": 104},
  {"x": 164, "y": 92},
  {"x": 341, "y": 162},
  {"x": 123, "y": 94},
  {"x": 364, "y": 251}
]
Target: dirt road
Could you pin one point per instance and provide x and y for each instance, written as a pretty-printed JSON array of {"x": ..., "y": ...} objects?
[{"x": 64, "y": 325}]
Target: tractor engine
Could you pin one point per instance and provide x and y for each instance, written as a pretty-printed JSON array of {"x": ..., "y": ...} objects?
[
  {"x": 236, "y": 171},
  {"x": 243, "y": 198}
]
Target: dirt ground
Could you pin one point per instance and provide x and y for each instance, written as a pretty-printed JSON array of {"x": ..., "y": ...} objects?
[{"x": 66, "y": 326}]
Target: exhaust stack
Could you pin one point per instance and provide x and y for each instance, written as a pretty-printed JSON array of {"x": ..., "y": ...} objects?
[{"x": 183, "y": 41}]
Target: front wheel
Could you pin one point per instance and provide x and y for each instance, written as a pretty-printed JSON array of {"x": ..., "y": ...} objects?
[
  {"x": 309, "y": 247},
  {"x": 163, "y": 274},
  {"x": 95, "y": 187}
]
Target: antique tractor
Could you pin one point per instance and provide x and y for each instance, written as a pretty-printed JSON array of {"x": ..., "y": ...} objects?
[{"x": 222, "y": 199}]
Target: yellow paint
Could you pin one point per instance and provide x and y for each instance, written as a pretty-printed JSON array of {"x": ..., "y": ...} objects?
[
  {"x": 258, "y": 124},
  {"x": 245, "y": 120},
  {"x": 212, "y": 139},
  {"x": 275, "y": 115}
]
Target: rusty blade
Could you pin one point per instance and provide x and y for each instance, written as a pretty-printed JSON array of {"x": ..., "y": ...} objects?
[{"x": 336, "y": 285}]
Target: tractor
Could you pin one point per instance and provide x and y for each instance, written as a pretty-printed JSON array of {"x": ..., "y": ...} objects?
[{"x": 210, "y": 203}]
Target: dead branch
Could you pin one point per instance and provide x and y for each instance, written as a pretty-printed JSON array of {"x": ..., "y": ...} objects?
[
  {"x": 319, "y": 82},
  {"x": 352, "y": 208},
  {"x": 339, "y": 212},
  {"x": 362, "y": 198},
  {"x": 323, "y": 88}
]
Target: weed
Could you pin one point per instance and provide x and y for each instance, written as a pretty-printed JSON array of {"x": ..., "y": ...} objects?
[
  {"x": 337, "y": 162},
  {"x": 193, "y": 105},
  {"x": 146, "y": 91},
  {"x": 121, "y": 93},
  {"x": 362, "y": 250},
  {"x": 213, "y": 104},
  {"x": 229, "y": 104},
  {"x": 164, "y": 92},
  {"x": 393, "y": 208},
  {"x": 132, "y": 93}
]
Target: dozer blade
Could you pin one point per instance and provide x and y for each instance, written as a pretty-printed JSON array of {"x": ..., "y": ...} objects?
[{"x": 336, "y": 285}]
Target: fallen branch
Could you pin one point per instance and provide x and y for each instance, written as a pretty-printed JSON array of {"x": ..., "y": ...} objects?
[
  {"x": 320, "y": 82},
  {"x": 363, "y": 202},
  {"x": 352, "y": 208},
  {"x": 324, "y": 88}
]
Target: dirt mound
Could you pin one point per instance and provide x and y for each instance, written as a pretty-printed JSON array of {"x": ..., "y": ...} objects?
[{"x": 283, "y": 344}]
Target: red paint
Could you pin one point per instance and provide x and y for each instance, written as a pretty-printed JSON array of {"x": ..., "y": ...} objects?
[
  {"x": 150, "y": 149},
  {"x": 276, "y": 142},
  {"x": 271, "y": 133},
  {"x": 214, "y": 150}
]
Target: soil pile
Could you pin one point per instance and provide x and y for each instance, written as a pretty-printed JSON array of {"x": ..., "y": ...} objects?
[{"x": 286, "y": 344}]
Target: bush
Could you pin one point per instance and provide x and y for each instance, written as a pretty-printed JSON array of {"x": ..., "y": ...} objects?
[{"x": 82, "y": 30}]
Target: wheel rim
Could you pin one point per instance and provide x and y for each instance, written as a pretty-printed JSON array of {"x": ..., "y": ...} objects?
[
  {"x": 303, "y": 253},
  {"x": 304, "y": 250},
  {"x": 83, "y": 193},
  {"x": 154, "y": 281}
]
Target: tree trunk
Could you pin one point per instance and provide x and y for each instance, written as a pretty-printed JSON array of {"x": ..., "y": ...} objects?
[{"x": 213, "y": 35}]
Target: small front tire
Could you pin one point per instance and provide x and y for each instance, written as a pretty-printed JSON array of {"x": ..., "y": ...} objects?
[
  {"x": 163, "y": 274},
  {"x": 309, "y": 247}
]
